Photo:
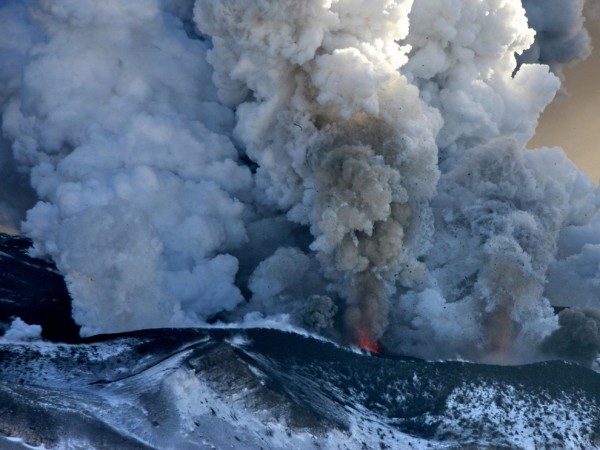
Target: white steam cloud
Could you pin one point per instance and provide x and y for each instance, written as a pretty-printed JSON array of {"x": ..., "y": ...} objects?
[
  {"x": 359, "y": 166},
  {"x": 127, "y": 150},
  {"x": 560, "y": 35}
]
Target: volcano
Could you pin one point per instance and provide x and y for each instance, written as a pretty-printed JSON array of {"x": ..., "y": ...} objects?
[
  {"x": 263, "y": 388},
  {"x": 293, "y": 223}
]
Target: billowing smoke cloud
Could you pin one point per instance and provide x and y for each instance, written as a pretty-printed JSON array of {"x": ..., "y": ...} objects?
[
  {"x": 498, "y": 215},
  {"x": 128, "y": 152},
  {"x": 499, "y": 208},
  {"x": 20, "y": 331},
  {"x": 17, "y": 37},
  {"x": 578, "y": 338},
  {"x": 343, "y": 143},
  {"x": 560, "y": 35},
  {"x": 356, "y": 166}
]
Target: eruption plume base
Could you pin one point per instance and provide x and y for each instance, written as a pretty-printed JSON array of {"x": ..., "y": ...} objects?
[{"x": 366, "y": 342}]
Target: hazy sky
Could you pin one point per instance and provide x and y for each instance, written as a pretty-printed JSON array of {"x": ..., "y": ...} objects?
[{"x": 573, "y": 122}]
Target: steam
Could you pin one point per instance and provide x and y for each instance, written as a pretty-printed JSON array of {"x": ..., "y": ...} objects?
[
  {"x": 560, "y": 36},
  {"x": 578, "y": 338},
  {"x": 359, "y": 167},
  {"x": 138, "y": 184},
  {"x": 342, "y": 141},
  {"x": 20, "y": 331}
]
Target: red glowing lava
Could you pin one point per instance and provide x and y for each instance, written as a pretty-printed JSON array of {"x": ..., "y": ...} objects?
[{"x": 365, "y": 342}]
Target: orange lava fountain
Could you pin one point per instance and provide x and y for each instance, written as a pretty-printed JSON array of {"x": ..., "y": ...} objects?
[{"x": 365, "y": 342}]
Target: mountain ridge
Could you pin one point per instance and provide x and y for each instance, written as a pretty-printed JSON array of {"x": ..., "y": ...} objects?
[{"x": 185, "y": 387}]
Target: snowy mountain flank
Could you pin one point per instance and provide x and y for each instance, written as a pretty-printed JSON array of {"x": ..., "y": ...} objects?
[{"x": 270, "y": 389}]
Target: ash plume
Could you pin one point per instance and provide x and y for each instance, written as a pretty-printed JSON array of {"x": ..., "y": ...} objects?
[
  {"x": 356, "y": 167},
  {"x": 561, "y": 38},
  {"x": 136, "y": 179},
  {"x": 578, "y": 336},
  {"x": 342, "y": 141}
]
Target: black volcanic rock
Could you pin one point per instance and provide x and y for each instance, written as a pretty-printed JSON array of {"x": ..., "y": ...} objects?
[
  {"x": 261, "y": 388},
  {"x": 32, "y": 289}
]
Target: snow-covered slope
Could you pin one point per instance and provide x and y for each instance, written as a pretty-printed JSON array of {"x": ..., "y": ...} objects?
[{"x": 264, "y": 388}]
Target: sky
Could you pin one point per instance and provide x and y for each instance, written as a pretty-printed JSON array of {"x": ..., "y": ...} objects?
[{"x": 573, "y": 121}]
